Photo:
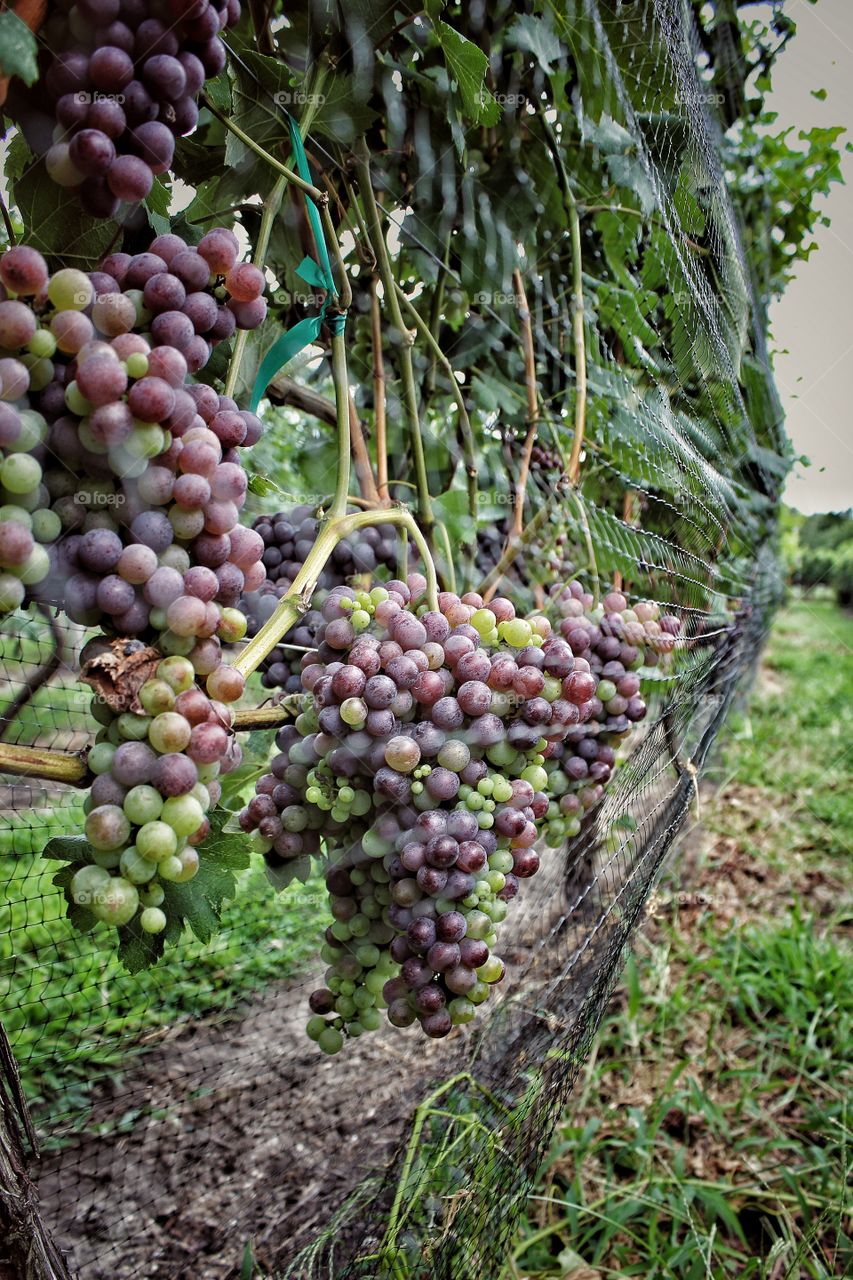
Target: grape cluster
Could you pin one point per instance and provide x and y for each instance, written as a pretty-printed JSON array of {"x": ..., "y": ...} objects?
[
  {"x": 123, "y": 83},
  {"x": 288, "y": 537},
  {"x": 620, "y": 644},
  {"x": 122, "y": 488},
  {"x": 156, "y": 778},
  {"x": 418, "y": 759}
]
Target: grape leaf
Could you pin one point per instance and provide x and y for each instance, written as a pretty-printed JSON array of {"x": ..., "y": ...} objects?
[
  {"x": 296, "y": 869},
  {"x": 17, "y": 48},
  {"x": 68, "y": 849},
  {"x": 467, "y": 65},
  {"x": 56, "y": 224},
  {"x": 536, "y": 35}
]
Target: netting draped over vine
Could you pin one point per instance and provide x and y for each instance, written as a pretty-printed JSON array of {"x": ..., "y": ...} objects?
[{"x": 180, "y": 1110}]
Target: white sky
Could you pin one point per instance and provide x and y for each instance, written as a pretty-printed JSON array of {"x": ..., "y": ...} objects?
[{"x": 812, "y": 325}]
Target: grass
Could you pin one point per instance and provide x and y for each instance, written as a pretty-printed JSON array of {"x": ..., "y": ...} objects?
[{"x": 709, "y": 1135}]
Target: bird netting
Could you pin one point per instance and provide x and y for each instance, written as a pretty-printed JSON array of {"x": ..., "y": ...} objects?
[{"x": 539, "y": 195}]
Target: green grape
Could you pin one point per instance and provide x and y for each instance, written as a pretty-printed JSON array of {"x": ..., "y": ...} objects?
[
  {"x": 153, "y": 920},
  {"x": 135, "y": 868},
  {"x": 118, "y": 903},
  {"x": 143, "y": 804},
  {"x": 157, "y": 841}
]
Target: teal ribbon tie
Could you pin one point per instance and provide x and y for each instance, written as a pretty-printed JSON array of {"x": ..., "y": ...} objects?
[{"x": 317, "y": 275}]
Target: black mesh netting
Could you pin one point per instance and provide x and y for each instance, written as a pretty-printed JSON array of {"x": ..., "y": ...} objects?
[{"x": 181, "y": 1111}]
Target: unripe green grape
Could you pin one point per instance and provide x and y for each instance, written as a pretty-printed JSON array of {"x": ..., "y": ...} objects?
[
  {"x": 207, "y": 772},
  {"x": 484, "y": 622},
  {"x": 360, "y": 619},
  {"x": 70, "y": 290},
  {"x": 107, "y": 858},
  {"x": 169, "y": 732},
  {"x": 461, "y": 1010},
  {"x": 190, "y": 863},
  {"x": 100, "y": 757},
  {"x": 156, "y": 697},
  {"x": 153, "y": 895},
  {"x": 12, "y": 592},
  {"x": 479, "y": 925},
  {"x": 170, "y": 868},
  {"x": 88, "y": 883},
  {"x": 176, "y": 671},
  {"x": 345, "y": 1006},
  {"x": 184, "y": 814},
  {"x": 176, "y": 645},
  {"x": 370, "y": 1019},
  {"x": 202, "y": 795},
  {"x": 516, "y": 632},
  {"x": 341, "y": 930},
  {"x": 315, "y": 1027},
  {"x": 42, "y": 344},
  {"x": 118, "y": 903},
  {"x": 157, "y": 841},
  {"x": 135, "y": 868},
  {"x": 33, "y": 431},
  {"x": 10, "y": 511},
  {"x": 374, "y": 982},
  {"x": 133, "y": 728},
  {"x": 330, "y": 1041},
  {"x": 136, "y": 364},
  {"x": 143, "y": 804},
  {"x": 46, "y": 525},
  {"x": 353, "y": 711},
  {"x": 37, "y": 567},
  {"x": 20, "y": 474},
  {"x": 153, "y": 920},
  {"x": 536, "y": 776},
  {"x": 479, "y": 992},
  {"x": 232, "y": 626}
]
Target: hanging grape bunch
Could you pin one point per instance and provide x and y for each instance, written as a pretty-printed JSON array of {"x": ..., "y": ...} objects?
[
  {"x": 618, "y": 642},
  {"x": 122, "y": 487},
  {"x": 123, "y": 81},
  {"x": 419, "y": 758}
]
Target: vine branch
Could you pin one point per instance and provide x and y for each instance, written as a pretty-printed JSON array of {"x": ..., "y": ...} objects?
[{"x": 389, "y": 287}]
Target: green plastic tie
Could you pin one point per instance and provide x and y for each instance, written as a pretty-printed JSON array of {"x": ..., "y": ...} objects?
[{"x": 318, "y": 275}]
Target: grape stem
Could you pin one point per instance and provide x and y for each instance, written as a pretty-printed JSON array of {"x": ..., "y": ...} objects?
[
  {"x": 298, "y": 598},
  {"x": 468, "y": 451},
  {"x": 389, "y": 289},
  {"x": 342, "y": 405},
  {"x": 288, "y": 174},
  {"x": 529, "y": 351},
  {"x": 379, "y": 391},
  {"x": 578, "y": 332}
]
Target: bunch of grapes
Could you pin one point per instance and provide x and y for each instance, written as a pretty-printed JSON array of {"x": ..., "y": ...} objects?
[
  {"x": 123, "y": 81},
  {"x": 419, "y": 760},
  {"x": 156, "y": 778},
  {"x": 288, "y": 537},
  {"x": 123, "y": 487},
  {"x": 619, "y": 644}
]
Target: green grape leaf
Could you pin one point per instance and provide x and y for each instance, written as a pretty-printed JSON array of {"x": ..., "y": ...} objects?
[
  {"x": 264, "y": 487},
  {"x": 17, "y": 48},
  {"x": 295, "y": 869},
  {"x": 467, "y": 65},
  {"x": 56, "y": 224},
  {"x": 68, "y": 849},
  {"x": 536, "y": 35}
]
